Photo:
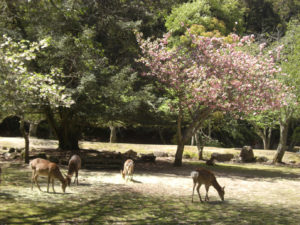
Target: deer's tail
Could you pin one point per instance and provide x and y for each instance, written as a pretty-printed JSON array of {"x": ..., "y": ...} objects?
[{"x": 194, "y": 174}]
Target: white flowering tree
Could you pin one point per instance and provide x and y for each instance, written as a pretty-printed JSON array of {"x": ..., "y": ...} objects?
[{"x": 23, "y": 92}]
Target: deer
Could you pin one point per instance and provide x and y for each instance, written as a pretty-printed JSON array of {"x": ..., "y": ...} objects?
[
  {"x": 45, "y": 168},
  {"x": 128, "y": 169},
  {"x": 203, "y": 176},
  {"x": 74, "y": 166}
]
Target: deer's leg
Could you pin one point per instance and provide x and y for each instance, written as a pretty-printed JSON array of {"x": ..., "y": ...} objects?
[
  {"x": 76, "y": 178},
  {"x": 32, "y": 179},
  {"x": 53, "y": 185},
  {"x": 198, "y": 190},
  {"x": 206, "y": 196},
  {"x": 36, "y": 182},
  {"x": 193, "y": 190},
  {"x": 48, "y": 183}
]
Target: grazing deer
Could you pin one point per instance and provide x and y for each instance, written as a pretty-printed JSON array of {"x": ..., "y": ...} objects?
[
  {"x": 128, "y": 169},
  {"x": 45, "y": 168},
  {"x": 203, "y": 176},
  {"x": 74, "y": 166}
]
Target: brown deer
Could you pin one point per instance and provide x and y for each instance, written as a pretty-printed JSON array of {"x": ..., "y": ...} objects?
[
  {"x": 45, "y": 168},
  {"x": 128, "y": 169},
  {"x": 74, "y": 166},
  {"x": 203, "y": 176}
]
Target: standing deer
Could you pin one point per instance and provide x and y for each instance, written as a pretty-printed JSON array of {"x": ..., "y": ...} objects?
[
  {"x": 128, "y": 169},
  {"x": 45, "y": 168},
  {"x": 203, "y": 176},
  {"x": 74, "y": 166}
]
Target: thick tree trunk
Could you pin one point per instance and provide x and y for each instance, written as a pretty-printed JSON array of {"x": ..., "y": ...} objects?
[
  {"x": 199, "y": 116},
  {"x": 66, "y": 131},
  {"x": 113, "y": 134},
  {"x": 26, "y": 138},
  {"x": 282, "y": 142},
  {"x": 67, "y": 141},
  {"x": 178, "y": 155}
]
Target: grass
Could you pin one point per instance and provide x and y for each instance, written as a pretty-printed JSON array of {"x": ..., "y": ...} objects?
[
  {"x": 97, "y": 201},
  {"x": 161, "y": 194}
]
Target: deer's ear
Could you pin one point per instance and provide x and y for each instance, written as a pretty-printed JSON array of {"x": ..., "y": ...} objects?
[{"x": 223, "y": 188}]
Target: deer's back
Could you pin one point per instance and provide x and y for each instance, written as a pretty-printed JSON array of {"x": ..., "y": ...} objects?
[
  {"x": 75, "y": 161},
  {"x": 44, "y": 167},
  {"x": 205, "y": 176}
]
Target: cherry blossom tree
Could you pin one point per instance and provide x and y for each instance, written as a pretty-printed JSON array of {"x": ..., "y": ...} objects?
[{"x": 211, "y": 74}]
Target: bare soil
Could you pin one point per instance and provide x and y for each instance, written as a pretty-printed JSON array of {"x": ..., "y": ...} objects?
[{"x": 254, "y": 194}]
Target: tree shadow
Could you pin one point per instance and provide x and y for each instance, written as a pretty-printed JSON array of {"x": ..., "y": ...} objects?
[
  {"x": 226, "y": 170},
  {"x": 107, "y": 203},
  {"x": 128, "y": 207}
]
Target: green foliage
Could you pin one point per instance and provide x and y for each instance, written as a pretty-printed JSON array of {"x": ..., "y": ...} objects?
[
  {"x": 290, "y": 57},
  {"x": 221, "y": 16},
  {"x": 296, "y": 135},
  {"x": 261, "y": 17},
  {"x": 266, "y": 119}
]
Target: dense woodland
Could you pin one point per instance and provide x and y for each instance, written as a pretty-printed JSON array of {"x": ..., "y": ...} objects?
[{"x": 92, "y": 70}]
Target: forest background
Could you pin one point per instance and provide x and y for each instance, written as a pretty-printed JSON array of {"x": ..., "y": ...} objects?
[{"x": 69, "y": 71}]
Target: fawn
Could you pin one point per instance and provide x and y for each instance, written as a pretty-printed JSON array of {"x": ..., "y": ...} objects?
[
  {"x": 45, "y": 168},
  {"x": 128, "y": 169},
  {"x": 74, "y": 166},
  {"x": 206, "y": 177}
]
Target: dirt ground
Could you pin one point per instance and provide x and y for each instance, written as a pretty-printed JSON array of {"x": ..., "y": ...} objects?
[
  {"x": 160, "y": 191},
  {"x": 163, "y": 179},
  {"x": 159, "y": 194}
]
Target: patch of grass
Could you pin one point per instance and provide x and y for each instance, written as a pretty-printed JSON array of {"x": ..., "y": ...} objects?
[{"x": 96, "y": 202}]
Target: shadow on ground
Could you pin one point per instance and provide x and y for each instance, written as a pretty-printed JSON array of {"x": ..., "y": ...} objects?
[
  {"x": 106, "y": 203},
  {"x": 111, "y": 204},
  {"x": 226, "y": 170}
]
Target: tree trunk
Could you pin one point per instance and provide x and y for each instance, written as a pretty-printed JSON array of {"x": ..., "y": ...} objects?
[
  {"x": 67, "y": 141},
  {"x": 180, "y": 141},
  {"x": 269, "y": 135},
  {"x": 66, "y": 132},
  {"x": 200, "y": 145},
  {"x": 26, "y": 138},
  {"x": 32, "y": 129},
  {"x": 161, "y": 136},
  {"x": 178, "y": 155},
  {"x": 282, "y": 142},
  {"x": 113, "y": 134},
  {"x": 193, "y": 140},
  {"x": 199, "y": 116},
  {"x": 265, "y": 135}
]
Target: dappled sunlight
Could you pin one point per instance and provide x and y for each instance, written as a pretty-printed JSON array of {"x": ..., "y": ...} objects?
[{"x": 152, "y": 198}]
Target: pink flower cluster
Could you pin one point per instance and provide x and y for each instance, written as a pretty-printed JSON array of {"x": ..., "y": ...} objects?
[{"x": 213, "y": 73}]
